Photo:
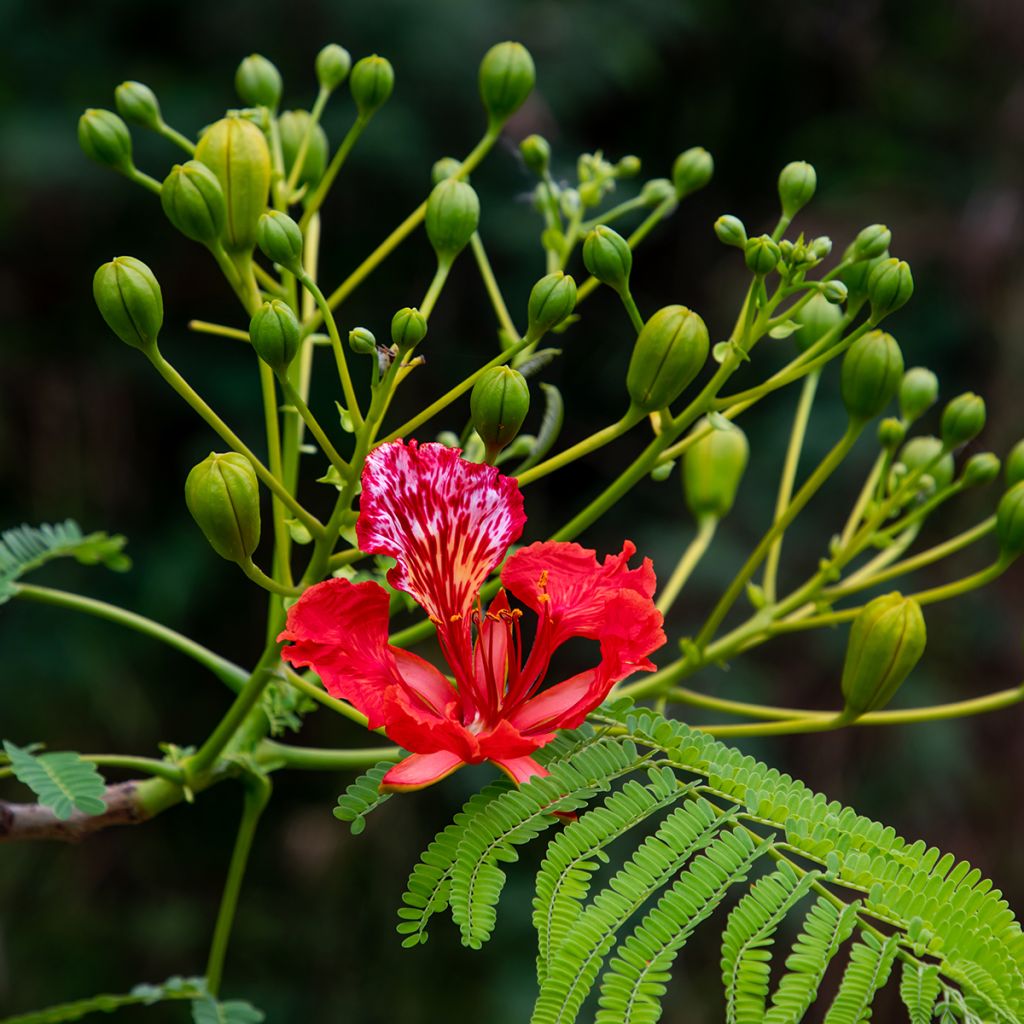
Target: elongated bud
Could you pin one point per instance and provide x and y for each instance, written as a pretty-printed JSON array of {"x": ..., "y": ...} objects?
[
  {"x": 730, "y": 231},
  {"x": 891, "y": 432},
  {"x": 918, "y": 391},
  {"x": 1015, "y": 465},
  {"x": 223, "y": 495},
  {"x": 292, "y": 126},
  {"x": 925, "y": 453},
  {"x": 275, "y": 333},
  {"x": 137, "y": 104},
  {"x": 692, "y": 170},
  {"x": 1010, "y": 522},
  {"x": 194, "y": 202},
  {"x": 129, "y": 299},
  {"x": 362, "y": 341},
  {"x": 499, "y": 404},
  {"x": 507, "y": 76},
  {"x": 105, "y": 138},
  {"x": 656, "y": 191},
  {"x": 713, "y": 468},
  {"x": 835, "y": 292},
  {"x": 981, "y": 469},
  {"x": 870, "y": 243},
  {"x": 870, "y": 376},
  {"x": 258, "y": 82},
  {"x": 552, "y": 299},
  {"x": 817, "y": 316},
  {"x": 536, "y": 153},
  {"x": 408, "y": 328},
  {"x": 797, "y": 182},
  {"x": 280, "y": 240},
  {"x": 371, "y": 82},
  {"x": 453, "y": 213},
  {"x": 236, "y": 151},
  {"x": 606, "y": 255},
  {"x": 963, "y": 419},
  {"x": 890, "y": 286},
  {"x": 761, "y": 255},
  {"x": 886, "y": 641},
  {"x": 669, "y": 352},
  {"x": 332, "y": 66}
]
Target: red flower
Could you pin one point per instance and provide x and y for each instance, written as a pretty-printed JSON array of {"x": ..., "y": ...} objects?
[{"x": 448, "y": 523}]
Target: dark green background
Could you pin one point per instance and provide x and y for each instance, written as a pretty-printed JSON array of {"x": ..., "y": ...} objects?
[{"x": 913, "y": 114}]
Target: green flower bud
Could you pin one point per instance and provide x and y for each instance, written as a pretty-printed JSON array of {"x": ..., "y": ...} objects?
[
  {"x": 606, "y": 255},
  {"x": 797, "y": 182},
  {"x": 817, "y": 316},
  {"x": 362, "y": 341},
  {"x": 980, "y": 469},
  {"x": 963, "y": 419},
  {"x": 730, "y": 231},
  {"x": 408, "y": 328},
  {"x": 669, "y": 352},
  {"x": 292, "y": 126},
  {"x": 628, "y": 167},
  {"x": 276, "y": 334},
  {"x": 453, "y": 213},
  {"x": 105, "y": 138},
  {"x": 856, "y": 277},
  {"x": 656, "y": 191},
  {"x": 870, "y": 243},
  {"x": 870, "y": 376},
  {"x": 280, "y": 240},
  {"x": 552, "y": 299},
  {"x": 921, "y": 453},
  {"x": 819, "y": 248},
  {"x": 918, "y": 391},
  {"x": 536, "y": 153},
  {"x": 446, "y": 167},
  {"x": 371, "y": 82},
  {"x": 507, "y": 76},
  {"x": 137, "y": 104},
  {"x": 129, "y": 299},
  {"x": 761, "y": 255},
  {"x": 891, "y": 432},
  {"x": 886, "y": 641},
  {"x": 258, "y": 82},
  {"x": 890, "y": 286},
  {"x": 223, "y": 495},
  {"x": 499, "y": 404},
  {"x": 835, "y": 292},
  {"x": 1015, "y": 464},
  {"x": 236, "y": 151},
  {"x": 692, "y": 170},
  {"x": 332, "y": 66},
  {"x": 713, "y": 468},
  {"x": 1010, "y": 522},
  {"x": 194, "y": 202}
]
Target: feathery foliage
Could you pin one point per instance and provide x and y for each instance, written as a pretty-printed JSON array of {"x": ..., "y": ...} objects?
[
  {"x": 63, "y": 781},
  {"x": 142, "y": 995}
]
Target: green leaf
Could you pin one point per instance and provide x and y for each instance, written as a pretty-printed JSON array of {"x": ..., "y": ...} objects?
[
  {"x": 785, "y": 329},
  {"x": 141, "y": 995},
  {"x": 550, "y": 427},
  {"x": 63, "y": 781},
  {"x": 209, "y": 1011}
]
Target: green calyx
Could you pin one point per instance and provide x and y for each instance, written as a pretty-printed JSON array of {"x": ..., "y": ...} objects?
[
  {"x": 258, "y": 82},
  {"x": 536, "y": 153},
  {"x": 105, "y": 138},
  {"x": 730, "y": 231},
  {"x": 889, "y": 286},
  {"x": 193, "y": 200},
  {"x": 918, "y": 392},
  {"x": 963, "y": 419},
  {"x": 761, "y": 255},
  {"x": 408, "y": 328},
  {"x": 816, "y": 317},
  {"x": 927, "y": 455},
  {"x": 137, "y": 104},
  {"x": 507, "y": 77},
  {"x": 332, "y": 66},
  {"x": 276, "y": 334},
  {"x": 607, "y": 256},
  {"x": 222, "y": 494},
  {"x": 292, "y": 126},
  {"x": 1010, "y": 522},
  {"x": 692, "y": 170},
  {"x": 669, "y": 352},
  {"x": 280, "y": 240},
  {"x": 871, "y": 373},
  {"x": 552, "y": 299},
  {"x": 797, "y": 183},
  {"x": 498, "y": 405},
  {"x": 129, "y": 299},
  {"x": 371, "y": 83},
  {"x": 453, "y": 213},
  {"x": 713, "y": 467}
]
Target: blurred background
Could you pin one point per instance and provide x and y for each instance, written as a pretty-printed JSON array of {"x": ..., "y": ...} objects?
[{"x": 912, "y": 113}]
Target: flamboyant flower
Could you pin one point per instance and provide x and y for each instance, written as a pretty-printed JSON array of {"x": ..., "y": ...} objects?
[{"x": 448, "y": 523}]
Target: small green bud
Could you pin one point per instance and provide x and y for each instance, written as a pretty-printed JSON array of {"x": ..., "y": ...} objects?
[
  {"x": 819, "y": 248},
  {"x": 890, "y": 286},
  {"x": 193, "y": 200},
  {"x": 137, "y": 104},
  {"x": 856, "y": 276},
  {"x": 817, "y": 316},
  {"x": 371, "y": 82},
  {"x": 870, "y": 375},
  {"x": 891, "y": 432},
  {"x": 730, "y": 231},
  {"x": 606, "y": 255},
  {"x": 1015, "y": 464},
  {"x": 835, "y": 292},
  {"x": 918, "y": 391},
  {"x": 408, "y": 328},
  {"x": 925, "y": 454},
  {"x": 507, "y": 76},
  {"x": 280, "y": 240},
  {"x": 870, "y": 243},
  {"x": 628, "y": 167},
  {"x": 362, "y": 341},
  {"x": 292, "y": 126},
  {"x": 963, "y": 419},
  {"x": 443, "y": 169},
  {"x": 552, "y": 299},
  {"x": 886, "y": 641},
  {"x": 499, "y": 404},
  {"x": 536, "y": 153},
  {"x": 128, "y": 296},
  {"x": 1010, "y": 522},
  {"x": 276, "y": 334},
  {"x": 713, "y": 468},
  {"x": 797, "y": 182},
  {"x": 258, "y": 82},
  {"x": 105, "y": 138},
  {"x": 223, "y": 495},
  {"x": 692, "y": 170},
  {"x": 656, "y": 191},
  {"x": 761, "y": 255},
  {"x": 669, "y": 352},
  {"x": 453, "y": 213},
  {"x": 332, "y": 66},
  {"x": 981, "y": 469}
]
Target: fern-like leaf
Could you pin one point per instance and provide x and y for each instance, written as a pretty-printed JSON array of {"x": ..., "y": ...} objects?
[
  {"x": 919, "y": 988},
  {"x": 361, "y": 796},
  {"x": 62, "y": 781},
  {"x": 868, "y": 970},
  {"x": 141, "y": 995},
  {"x": 235, "y": 1011}
]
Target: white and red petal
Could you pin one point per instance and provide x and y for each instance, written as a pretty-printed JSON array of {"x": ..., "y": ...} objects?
[{"x": 419, "y": 770}]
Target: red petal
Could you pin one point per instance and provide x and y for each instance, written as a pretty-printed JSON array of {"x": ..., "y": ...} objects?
[
  {"x": 521, "y": 769},
  {"x": 419, "y": 770},
  {"x": 425, "y": 682},
  {"x": 446, "y": 521}
]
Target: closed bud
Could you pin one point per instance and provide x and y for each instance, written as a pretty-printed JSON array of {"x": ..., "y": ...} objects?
[
  {"x": 918, "y": 391},
  {"x": 105, "y": 138},
  {"x": 137, "y": 104},
  {"x": 129, "y": 299},
  {"x": 886, "y": 641},
  {"x": 194, "y": 202},
  {"x": 292, "y": 126},
  {"x": 761, "y": 255},
  {"x": 332, "y": 66},
  {"x": 223, "y": 495},
  {"x": 1015, "y": 464},
  {"x": 499, "y": 404},
  {"x": 819, "y": 248},
  {"x": 891, "y": 432},
  {"x": 871, "y": 373},
  {"x": 446, "y": 167},
  {"x": 453, "y": 213},
  {"x": 362, "y": 341},
  {"x": 371, "y": 82},
  {"x": 817, "y": 316},
  {"x": 656, "y": 191},
  {"x": 890, "y": 286},
  {"x": 552, "y": 299},
  {"x": 870, "y": 243},
  {"x": 606, "y": 255},
  {"x": 963, "y": 419},
  {"x": 280, "y": 240},
  {"x": 258, "y": 82},
  {"x": 536, "y": 153},
  {"x": 925, "y": 455},
  {"x": 835, "y": 292},
  {"x": 628, "y": 167},
  {"x": 797, "y": 182},
  {"x": 507, "y": 76},
  {"x": 275, "y": 333},
  {"x": 981, "y": 469},
  {"x": 856, "y": 277},
  {"x": 713, "y": 468},
  {"x": 669, "y": 352},
  {"x": 1010, "y": 522},
  {"x": 408, "y": 328},
  {"x": 730, "y": 230},
  {"x": 692, "y": 170}
]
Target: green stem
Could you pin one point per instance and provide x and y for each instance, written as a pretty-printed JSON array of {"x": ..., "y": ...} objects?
[
  {"x": 149, "y": 765},
  {"x": 164, "y": 129},
  {"x": 282, "y": 568},
  {"x": 316, "y": 200},
  {"x": 613, "y": 213},
  {"x": 205, "y": 327},
  {"x": 631, "y": 308},
  {"x": 343, "y": 558},
  {"x": 493, "y": 290},
  {"x": 143, "y": 179},
  {"x": 444, "y": 266},
  {"x": 300, "y": 157},
  {"x": 268, "y": 583},
  {"x": 276, "y": 755},
  {"x": 322, "y": 697},
  {"x": 314, "y": 427},
  {"x": 687, "y": 563}
]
